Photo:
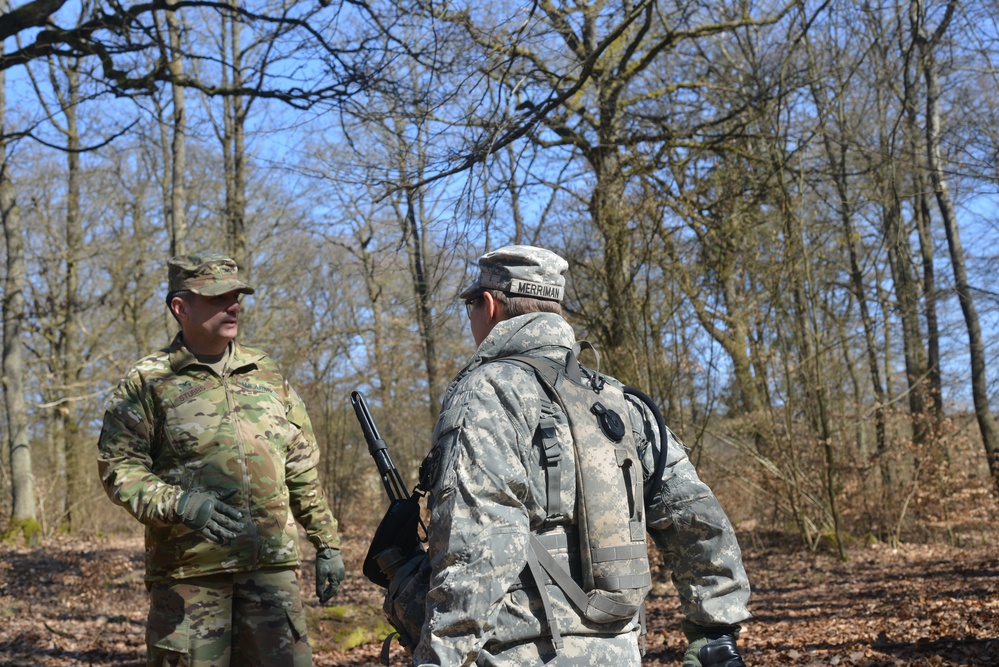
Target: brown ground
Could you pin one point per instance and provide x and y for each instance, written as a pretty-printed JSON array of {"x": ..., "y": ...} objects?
[{"x": 78, "y": 601}]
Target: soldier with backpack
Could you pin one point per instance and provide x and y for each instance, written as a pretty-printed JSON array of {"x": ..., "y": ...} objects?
[{"x": 520, "y": 569}]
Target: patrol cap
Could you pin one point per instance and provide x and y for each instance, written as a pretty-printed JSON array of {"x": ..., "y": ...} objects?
[
  {"x": 208, "y": 275},
  {"x": 521, "y": 270}
]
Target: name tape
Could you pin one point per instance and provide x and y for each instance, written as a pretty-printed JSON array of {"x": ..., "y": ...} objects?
[{"x": 536, "y": 290}]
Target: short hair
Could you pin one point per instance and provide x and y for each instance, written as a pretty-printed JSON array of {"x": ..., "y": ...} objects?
[{"x": 524, "y": 305}]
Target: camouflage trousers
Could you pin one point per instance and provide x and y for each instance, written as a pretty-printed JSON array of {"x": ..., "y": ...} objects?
[{"x": 250, "y": 619}]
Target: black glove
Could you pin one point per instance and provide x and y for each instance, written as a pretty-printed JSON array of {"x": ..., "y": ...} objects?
[
  {"x": 329, "y": 568},
  {"x": 719, "y": 652},
  {"x": 207, "y": 512},
  {"x": 711, "y": 647}
]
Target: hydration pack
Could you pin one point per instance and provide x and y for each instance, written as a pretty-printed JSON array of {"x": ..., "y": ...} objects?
[{"x": 610, "y": 507}]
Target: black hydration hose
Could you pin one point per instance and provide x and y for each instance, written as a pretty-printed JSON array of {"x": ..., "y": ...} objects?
[{"x": 657, "y": 483}]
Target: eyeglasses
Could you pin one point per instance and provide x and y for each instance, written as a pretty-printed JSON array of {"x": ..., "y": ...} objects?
[{"x": 470, "y": 304}]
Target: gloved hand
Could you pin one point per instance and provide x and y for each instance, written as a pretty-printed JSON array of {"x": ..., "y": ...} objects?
[
  {"x": 208, "y": 513},
  {"x": 712, "y": 647},
  {"x": 329, "y": 567}
]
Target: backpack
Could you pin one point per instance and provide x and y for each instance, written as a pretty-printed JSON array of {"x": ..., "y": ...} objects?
[{"x": 610, "y": 507}]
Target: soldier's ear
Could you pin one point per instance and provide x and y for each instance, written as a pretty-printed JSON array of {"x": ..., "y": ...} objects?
[
  {"x": 494, "y": 309},
  {"x": 179, "y": 307}
]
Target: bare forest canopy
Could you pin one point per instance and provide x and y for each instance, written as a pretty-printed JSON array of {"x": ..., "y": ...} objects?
[{"x": 780, "y": 219}]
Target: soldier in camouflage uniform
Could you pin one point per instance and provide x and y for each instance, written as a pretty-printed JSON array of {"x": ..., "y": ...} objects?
[
  {"x": 206, "y": 444},
  {"x": 487, "y": 492}
]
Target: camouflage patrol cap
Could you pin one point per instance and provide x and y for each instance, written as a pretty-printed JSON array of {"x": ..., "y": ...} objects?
[
  {"x": 208, "y": 275},
  {"x": 521, "y": 270}
]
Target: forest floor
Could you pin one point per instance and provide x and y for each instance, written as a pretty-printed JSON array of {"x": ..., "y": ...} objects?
[{"x": 81, "y": 601}]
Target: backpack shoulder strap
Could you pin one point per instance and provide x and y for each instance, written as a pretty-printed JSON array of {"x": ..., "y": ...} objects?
[
  {"x": 546, "y": 369},
  {"x": 547, "y": 374}
]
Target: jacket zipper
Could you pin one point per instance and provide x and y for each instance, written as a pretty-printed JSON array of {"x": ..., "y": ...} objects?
[{"x": 237, "y": 435}]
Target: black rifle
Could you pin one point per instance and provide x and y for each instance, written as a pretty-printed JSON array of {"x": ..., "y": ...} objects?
[
  {"x": 397, "y": 538},
  {"x": 378, "y": 448}
]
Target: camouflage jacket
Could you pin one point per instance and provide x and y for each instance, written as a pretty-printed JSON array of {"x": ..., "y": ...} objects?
[
  {"x": 488, "y": 490},
  {"x": 172, "y": 425}
]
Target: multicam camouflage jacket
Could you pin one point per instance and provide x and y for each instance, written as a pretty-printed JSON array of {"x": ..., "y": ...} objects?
[
  {"x": 173, "y": 424},
  {"x": 488, "y": 491}
]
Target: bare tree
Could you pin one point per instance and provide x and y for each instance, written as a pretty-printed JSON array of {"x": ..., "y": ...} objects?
[
  {"x": 23, "y": 518},
  {"x": 126, "y": 40},
  {"x": 64, "y": 332},
  {"x": 235, "y": 110},
  {"x": 602, "y": 96},
  {"x": 926, "y": 43},
  {"x": 177, "y": 221}
]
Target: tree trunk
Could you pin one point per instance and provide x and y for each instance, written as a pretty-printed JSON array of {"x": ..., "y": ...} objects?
[
  {"x": 178, "y": 154},
  {"x": 812, "y": 354},
  {"x": 422, "y": 292},
  {"x": 923, "y": 219},
  {"x": 235, "y": 110},
  {"x": 68, "y": 359},
  {"x": 851, "y": 240},
  {"x": 935, "y": 381},
  {"x": 609, "y": 210},
  {"x": 976, "y": 345},
  {"x": 907, "y": 294},
  {"x": 836, "y": 154},
  {"x": 23, "y": 516}
]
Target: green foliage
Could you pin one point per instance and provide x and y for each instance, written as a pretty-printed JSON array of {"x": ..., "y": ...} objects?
[
  {"x": 347, "y": 626},
  {"x": 28, "y": 529},
  {"x": 826, "y": 540}
]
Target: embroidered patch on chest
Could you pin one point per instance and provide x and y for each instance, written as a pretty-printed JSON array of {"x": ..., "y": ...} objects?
[
  {"x": 255, "y": 388},
  {"x": 191, "y": 393}
]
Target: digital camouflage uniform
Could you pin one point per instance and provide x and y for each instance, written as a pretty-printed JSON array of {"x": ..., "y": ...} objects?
[
  {"x": 174, "y": 425},
  {"x": 487, "y": 493}
]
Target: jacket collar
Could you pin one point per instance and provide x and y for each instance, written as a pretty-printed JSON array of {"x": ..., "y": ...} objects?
[
  {"x": 537, "y": 334},
  {"x": 181, "y": 357}
]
